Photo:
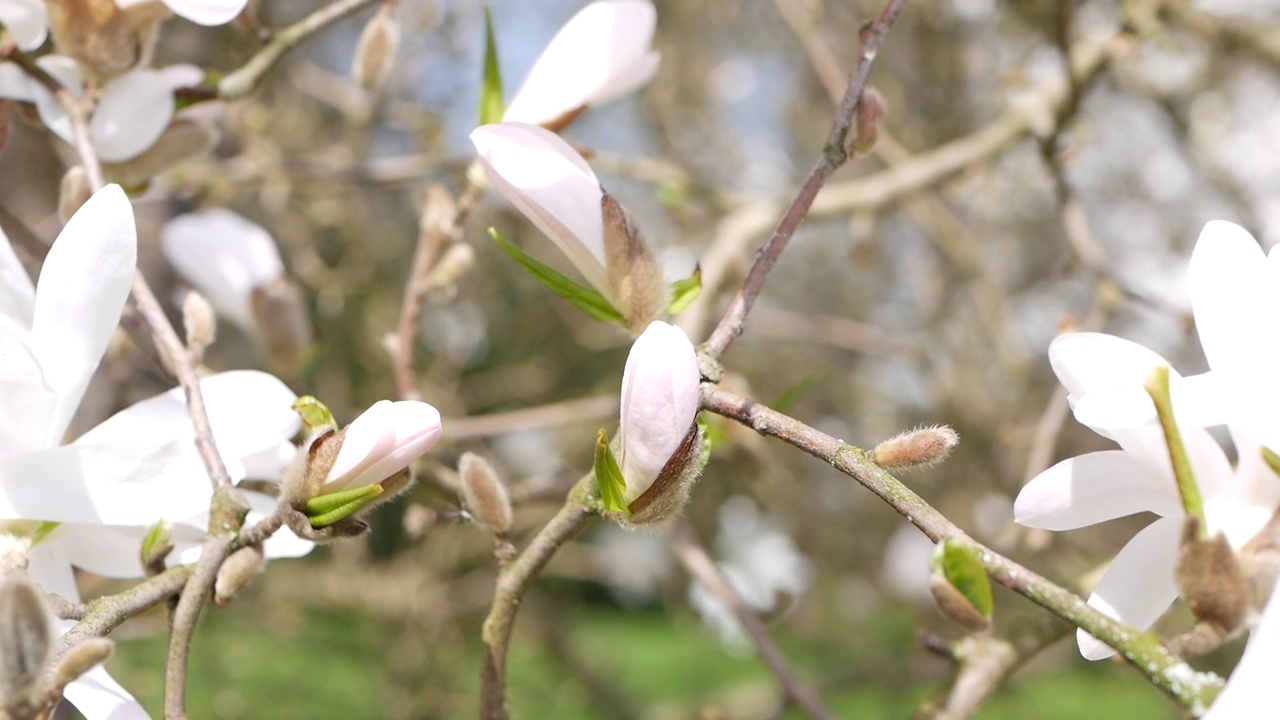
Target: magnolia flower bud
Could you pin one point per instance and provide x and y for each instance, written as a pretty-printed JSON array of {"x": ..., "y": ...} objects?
[
  {"x": 237, "y": 571},
  {"x": 341, "y": 473},
  {"x": 199, "y": 322},
  {"x": 26, "y": 641},
  {"x": 1211, "y": 580},
  {"x": 914, "y": 449},
  {"x": 550, "y": 183},
  {"x": 600, "y": 55},
  {"x": 867, "y": 125},
  {"x": 80, "y": 659},
  {"x": 376, "y": 51},
  {"x": 659, "y": 444},
  {"x": 484, "y": 493}
]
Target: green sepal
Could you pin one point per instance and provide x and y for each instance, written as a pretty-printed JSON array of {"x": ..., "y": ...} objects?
[
  {"x": 961, "y": 568},
  {"x": 609, "y": 477},
  {"x": 684, "y": 292},
  {"x": 1271, "y": 459},
  {"x": 491, "y": 109},
  {"x": 585, "y": 299},
  {"x": 325, "y": 510},
  {"x": 43, "y": 531},
  {"x": 159, "y": 534},
  {"x": 315, "y": 414}
]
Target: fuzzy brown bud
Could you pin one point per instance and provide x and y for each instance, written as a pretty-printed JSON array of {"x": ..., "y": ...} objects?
[
  {"x": 80, "y": 659},
  {"x": 638, "y": 289},
  {"x": 1210, "y": 579},
  {"x": 376, "y": 51},
  {"x": 239, "y": 569},
  {"x": 73, "y": 192},
  {"x": 26, "y": 640},
  {"x": 669, "y": 493},
  {"x": 919, "y": 448},
  {"x": 867, "y": 122},
  {"x": 484, "y": 493},
  {"x": 200, "y": 323}
]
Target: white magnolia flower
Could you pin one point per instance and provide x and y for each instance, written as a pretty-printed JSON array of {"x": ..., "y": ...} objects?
[
  {"x": 201, "y": 12},
  {"x": 27, "y": 22},
  {"x": 550, "y": 183},
  {"x": 225, "y": 257},
  {"x": 384, "y": 440},
  {"x": 761, "y": 563},
  {"x": 1251, "y": 687},
  {"x": 132, "y": 112},
  {"x": 1139, "y": 586},
  {"x": 600, "y": 55},
  {"x": 659, "y": 402}
]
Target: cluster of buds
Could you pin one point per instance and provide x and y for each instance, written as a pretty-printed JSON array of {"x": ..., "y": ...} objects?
[
  {"x": 645, "y": 476},
  {"x": 341, "y": 473}
]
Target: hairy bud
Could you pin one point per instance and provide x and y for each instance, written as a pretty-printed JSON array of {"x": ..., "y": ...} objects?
[
  {"x": 376, "y": 51},
  {"x": 867, "y": 122},
  {"x": 669, "y": 493},
  {"x": 638, "y": 290},
  {"x": 484, "y": 493},
  {"x": 919, "y": 448},
  {"x": 237, "y": 572},
  {"x": 1211, "y": 581},
  {"x": 72, "y": 192},
  {"x": 80, "y": 659},
  {"x": 199, "y": 322},
  {"x": 26, "y": 642}
]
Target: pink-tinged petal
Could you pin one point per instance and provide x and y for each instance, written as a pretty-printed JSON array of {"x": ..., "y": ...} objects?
[
  {"x": 601, "y": 54},
  {"x": 97, "y": 695},
  {"x": 81, "y": 292},
  {"x": 206, "y": 12},
  {"x": 550, "y": 183},
  {"x": 384, "y": 440},
  {"x": 1094, "y": 488},
  {"x": 1252, "y": 685},
  {"x": 659, "y": 402},
  {"x": 27, "y": 22},
  {"x": 1090, "y": 362},
  {"x": 17, "y": 294},
  {"x": 225, "y": 257},
  {"x": 250, "y": 413},
  {"x": 132, "y": 114},
  {"x": 1138, "y": 587}
]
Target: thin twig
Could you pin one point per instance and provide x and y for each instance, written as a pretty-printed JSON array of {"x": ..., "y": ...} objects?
[
  {"x": 513, "y": 580},
  {"x": 1143, "y": 650},
  {"x": 695, "y": 559},
  {"x": 244, "y": 80},
  {"x": 834, "y": 154},
  {"x": 104, "y": 614}
]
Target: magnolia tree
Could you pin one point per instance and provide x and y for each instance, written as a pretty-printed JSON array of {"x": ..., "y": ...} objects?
[{"x": 163, "y": 449}]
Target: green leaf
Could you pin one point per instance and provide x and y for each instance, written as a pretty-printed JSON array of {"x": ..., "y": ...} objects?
[
  {"x": 315, "y": 414},
  {"x": 609, "y": 477},
  {"x": 321, "y": 504},
  {"x": 684, "y": 292},
  {"x": 158, "y": 536},
  {"x": 961, "y": 568},
  {"x": 585, "y": 299},
  {"x": 491, "y": 109}
]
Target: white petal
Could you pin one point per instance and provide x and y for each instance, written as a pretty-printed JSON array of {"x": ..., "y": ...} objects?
[
  {"x": 27, "y": 21},
  {"x": 225, "y": 257},
  {"x": 1093, "y": 488},
  {"x": 67, "y": 72},
  {"x": 182, "y": 75},
  {"x": 47, "y": 566},
  {"x": 1138, "y": 587},
  {"x": 16, "y": 84},
  {"x": 1229, "y": 283},
  {"x": 17, "y": 294},
  {"x": 1090, "y": 362},
  {"x": 82, "y": 289},
  {"x": 384, "y": 440},
  {"x": 207, "y": 12},
  {"x": 97, "y": 695},
  {"x": 659, "y": 402},
  {"x": 601, "y": 54},
  {"x": 1252, "y": 685},
  {"x": 553, "y": 186},
  {"x": 132, "y": 114},
  {"x": 23, "y": 394}
]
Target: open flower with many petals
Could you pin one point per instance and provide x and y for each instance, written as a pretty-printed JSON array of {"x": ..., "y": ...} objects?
[{"x": 602, "y": 53}]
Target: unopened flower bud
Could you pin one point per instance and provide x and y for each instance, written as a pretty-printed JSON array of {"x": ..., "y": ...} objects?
[
  {"x": 199, "y": 322},
  {"x": 80, "y": 659},
  {"x": 867, "y": 122},
  {"x": 156, "y": 546},
  {"x": 919, "y": 448},
  {"x": 960, "y": 587},
  {"x": 26, "y": 639},
  {"x": 72, "y": 192},
  {"x": 376, "y": 51},
  {"x": 484, "y": 493},
  {"x": 237, "y": 571},
  {"x": 955, "y": 606}
]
